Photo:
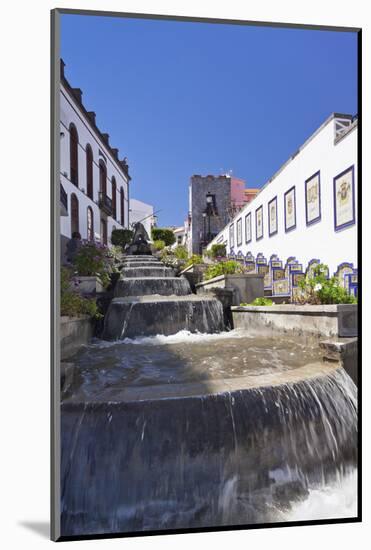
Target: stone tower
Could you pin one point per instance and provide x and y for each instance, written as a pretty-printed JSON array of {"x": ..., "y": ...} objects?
[{"x": 209, "y": 215}]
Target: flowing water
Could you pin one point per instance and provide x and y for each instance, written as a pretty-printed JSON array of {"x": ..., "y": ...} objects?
[
  {"x": 186, "y": 357},
  {"x": 179, "y": 424}
]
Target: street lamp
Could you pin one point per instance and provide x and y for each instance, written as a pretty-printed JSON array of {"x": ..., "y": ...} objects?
[
  {"x": 203, "y": 237},
  {"x": 207, "y": 213},
  {"x": 209, "y": 199}
]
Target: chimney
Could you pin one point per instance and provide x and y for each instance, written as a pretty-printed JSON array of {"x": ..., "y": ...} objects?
[
  {"x": 115, "y": 152},
  {"x": 77, "y": 93},
  {"x": 91, "y": 116},
  {"x": 106, "y": 138}
]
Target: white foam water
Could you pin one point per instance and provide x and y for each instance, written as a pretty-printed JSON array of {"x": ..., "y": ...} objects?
[
  {"x": 181, "y": 337},
  {"x": 333, "y": 501}
]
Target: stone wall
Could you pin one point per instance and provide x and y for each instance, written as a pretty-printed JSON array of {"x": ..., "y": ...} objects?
[
  {"x": 74, "y": 333},
  {"x": 317, "y": 321},
  {"x": 220, "y": 186}
]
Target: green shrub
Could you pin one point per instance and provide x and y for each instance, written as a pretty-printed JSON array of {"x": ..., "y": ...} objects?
[
  {"x": 181, "y": 252},
  {"x": 72, "y": 304},
  {"x": 194, "y": 260},
  {"x": 121, "y": 237},
  {"x": 159, "y": 245},
  {"x": 218, "y": 250},
  {"x": 229, "y": 267},
  {"x": 261, "y": 301},
  {"x": 317, "y": 288},
  {"x": 165, "y": 235},
  {"x": 94, "y": 260}
]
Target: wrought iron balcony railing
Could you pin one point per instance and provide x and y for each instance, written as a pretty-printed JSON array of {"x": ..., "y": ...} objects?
[{"x": 105, "y": 203}]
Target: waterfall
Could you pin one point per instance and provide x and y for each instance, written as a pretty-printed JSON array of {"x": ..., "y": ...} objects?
[
  {"x": 161, "y": 434},
  {"x": 238, "y": 457}
]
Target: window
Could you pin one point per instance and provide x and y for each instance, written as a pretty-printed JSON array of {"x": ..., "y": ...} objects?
[
  {"x": 90, "y": 224},
  {"x": 114, "y": 209},
  {"x": 89, "y": 171},
  {"x": 102, "y": 178},
  {"x": 74, "y": 155},
  {"x": 74, "y": 214},
  {"x": 122, "y": 206},
  {"x": 103, "y": 231}
]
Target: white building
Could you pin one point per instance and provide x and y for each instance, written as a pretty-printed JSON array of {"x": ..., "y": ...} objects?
[
  {"x": 308, "y": 209},
  {"x": 142, "y": 212},
  {"x": 94, "y": 182},
  {"x": 180, "y": 236}
]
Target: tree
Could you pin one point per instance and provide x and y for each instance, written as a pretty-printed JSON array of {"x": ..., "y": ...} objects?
[
  {"x": 166, "y": 235},
  {"x": 121, "y": 237}
]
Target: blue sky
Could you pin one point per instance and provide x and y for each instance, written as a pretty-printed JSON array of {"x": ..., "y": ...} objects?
[{"x": 183, "y": 98}]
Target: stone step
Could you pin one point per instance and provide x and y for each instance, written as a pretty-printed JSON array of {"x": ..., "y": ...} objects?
[
  {"x": 153, "y": 272},
  {"x": 147, "y": 258},
  {"x": 142, "y": 264},
  {"x": 151, "y": 315},
  {"x": 164, "y": 286}
]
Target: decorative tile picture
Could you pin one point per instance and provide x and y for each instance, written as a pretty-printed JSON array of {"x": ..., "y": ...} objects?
[
  {"x": 344, "y": 203},
  {"x": 231, "y": 235},
  {"x": 313, "y": 199},
  {"x": 239, "y": 232},
  {"x": 248, "y": 227},
  {"x": 259, "y": 223},
  {"x": 290, "y": 209},
  {"x": 272, "y": 217}
]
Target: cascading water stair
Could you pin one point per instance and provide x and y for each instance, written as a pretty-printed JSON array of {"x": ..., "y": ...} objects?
[
  {"x": 144, "y": 451},
  {"x": 150, "y": 300}
]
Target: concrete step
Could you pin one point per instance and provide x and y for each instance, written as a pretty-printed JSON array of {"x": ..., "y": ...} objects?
[
  {"x": 142, "y": 264},
  {"x": 133, "y": 317},
  {"x": 164, "y": 286},
  {"x": 153, "y": 272}
]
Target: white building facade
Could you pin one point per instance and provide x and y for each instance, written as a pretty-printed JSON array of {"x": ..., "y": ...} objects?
[
  {"x": 142, "y": 212},
  {"x": 308, "y": 209},
  {"x": 94, "y": 182}
]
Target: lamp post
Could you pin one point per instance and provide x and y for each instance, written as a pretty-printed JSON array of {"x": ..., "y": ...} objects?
[
  {"x": 209, "y": 212},
  {"x": 204, "y": 230}
]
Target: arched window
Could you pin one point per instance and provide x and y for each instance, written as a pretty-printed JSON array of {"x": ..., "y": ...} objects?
[
  {"x": 90, "y": 224},
  {"x": 74, "y": 214},
  {"x": 102, "y": 178},
  {"x": 122, "y": 206},
  {"x": 74, "y": 155},
  {"x": 89, "y": 171},
  {"x": 114, "y": 208}
]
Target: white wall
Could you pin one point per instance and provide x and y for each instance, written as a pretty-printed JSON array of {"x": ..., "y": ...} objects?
[
  {"x": 319, "y": 240},
  {"x": 140, "y": 210},
  {"x": 70, "y": 112}
]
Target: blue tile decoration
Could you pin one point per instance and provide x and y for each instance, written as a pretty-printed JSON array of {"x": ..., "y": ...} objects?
[{"x": 250, "y": 264}]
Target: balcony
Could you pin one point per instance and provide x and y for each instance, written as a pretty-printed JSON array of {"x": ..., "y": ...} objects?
[
  {"x": 63, "y": 202},
  {"x": 105, "y": 203}
]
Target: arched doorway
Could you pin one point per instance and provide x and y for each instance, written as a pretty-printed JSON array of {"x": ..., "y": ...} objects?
[
  {"x": 103, "y": 231},
  {"x": 89, "y": 171},
  {"x": 102, "y": 178},
  {"x": 90, "y": 224},
  {"x": 114, "y": 208},
  {"x": 74, "y": 155},
  {"x": 75, "y": 226},
  {"x": 122, "y": 206}
]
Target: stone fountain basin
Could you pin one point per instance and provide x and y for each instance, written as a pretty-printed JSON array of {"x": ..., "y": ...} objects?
[
  {"x": 220, "y": 452},
  {"x": 165, "y": 286},
  {"x": 153, "y": 271},
  {"x": 136, "y": 316}
]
